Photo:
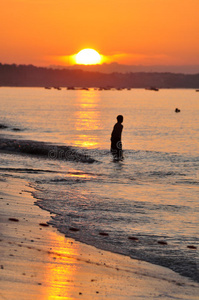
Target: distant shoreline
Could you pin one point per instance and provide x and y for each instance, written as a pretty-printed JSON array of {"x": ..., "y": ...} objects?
[
  {"x": 96, "y": 88},
  {"x": 32, "y": 76}
]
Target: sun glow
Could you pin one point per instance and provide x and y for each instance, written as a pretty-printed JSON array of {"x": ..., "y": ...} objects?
[{"x": 88, "y": 57}]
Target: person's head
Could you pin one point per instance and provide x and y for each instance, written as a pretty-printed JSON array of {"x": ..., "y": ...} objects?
[{"x": 120, "y": 119}]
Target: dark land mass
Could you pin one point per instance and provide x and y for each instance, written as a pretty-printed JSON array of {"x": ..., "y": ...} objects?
[
  {"x": 32, "y": 76},
  {"x": 120, "y": 68}
]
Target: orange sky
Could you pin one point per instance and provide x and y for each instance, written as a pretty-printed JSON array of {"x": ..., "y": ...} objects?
[{"x": 147, "y": 32}]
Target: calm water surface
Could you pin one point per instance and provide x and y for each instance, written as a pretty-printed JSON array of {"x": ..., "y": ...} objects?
[{"x": 150, "y": 196}]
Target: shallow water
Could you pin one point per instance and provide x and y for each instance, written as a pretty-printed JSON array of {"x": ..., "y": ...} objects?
[{"x": 151, "y": 196}]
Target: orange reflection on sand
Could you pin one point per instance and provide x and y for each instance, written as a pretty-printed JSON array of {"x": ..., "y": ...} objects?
[
  {"x": 61, "y": 272},
  {"x": 87, "y": 118}
]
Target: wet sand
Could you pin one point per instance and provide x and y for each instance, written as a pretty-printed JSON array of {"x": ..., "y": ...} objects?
[{"x": 37, "y": 262}]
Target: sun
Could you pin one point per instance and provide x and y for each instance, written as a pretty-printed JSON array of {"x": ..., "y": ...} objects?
[{"x": 88, "y": 57}]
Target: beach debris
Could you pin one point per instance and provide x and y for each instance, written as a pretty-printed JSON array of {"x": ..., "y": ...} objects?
[
  {"x": 162, "y": 243},
  {"x": 133, "y": 238},
  {"x": 80, "y": 293},
  {"x": 177, "y": 110},
  {"x": 103, "y": 233},
  {"x": 191, "y": 247},
  {"x": 73, "y": 229},
  {"x": 2, "y": 267},
  {"x": 43, "y": 224},
  {"x": 13, "y": 219}
]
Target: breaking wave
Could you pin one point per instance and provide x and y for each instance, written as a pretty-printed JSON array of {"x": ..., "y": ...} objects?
[{"x": 43, "y": 149}]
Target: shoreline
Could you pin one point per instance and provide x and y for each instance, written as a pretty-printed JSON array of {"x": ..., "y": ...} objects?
[{"x": 38, "y": 262}]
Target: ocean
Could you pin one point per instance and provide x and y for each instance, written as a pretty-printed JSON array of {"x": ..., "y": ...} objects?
[{"x": 145, "y": 206}]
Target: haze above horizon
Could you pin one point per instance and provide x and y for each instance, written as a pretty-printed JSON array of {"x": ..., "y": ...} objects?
[{"x": 129, "y": 32}]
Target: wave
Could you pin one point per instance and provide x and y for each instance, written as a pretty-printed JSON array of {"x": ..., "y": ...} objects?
[
  {"x": 3, "y": 126},
  {"x": 27, "y": 170},
  {"x": 188, "y": 182},
  {"x": 164, "y": 173},
  {"x": 42, "y": 149}
]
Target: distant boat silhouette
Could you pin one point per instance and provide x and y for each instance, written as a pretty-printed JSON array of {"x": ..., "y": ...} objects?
[
  {"x": 177, "y": 110},
  {"x": 152, "y": 89},
  {"x": 70, "y": 88}
]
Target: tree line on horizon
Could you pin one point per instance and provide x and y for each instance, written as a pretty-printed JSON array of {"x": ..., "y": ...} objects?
[{"x": 32, "y": 76}]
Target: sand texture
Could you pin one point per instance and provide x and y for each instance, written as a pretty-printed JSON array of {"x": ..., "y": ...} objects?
[{"x": 37, "y": 262}]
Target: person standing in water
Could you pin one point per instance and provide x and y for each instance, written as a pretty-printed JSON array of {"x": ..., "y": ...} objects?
[{"x": 116, "y": 138}]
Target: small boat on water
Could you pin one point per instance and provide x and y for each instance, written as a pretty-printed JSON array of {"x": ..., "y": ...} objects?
[
  {"x": 152, "y": 89},
  {"x": 70, "y": 88},
  {"x": 85, "y": 89}
]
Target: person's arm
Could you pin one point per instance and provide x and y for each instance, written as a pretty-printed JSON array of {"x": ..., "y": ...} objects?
[{"x": 113, "y": 133}]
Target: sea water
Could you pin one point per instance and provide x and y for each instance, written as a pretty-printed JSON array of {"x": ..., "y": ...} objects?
[{"x": 145, "y": 206}]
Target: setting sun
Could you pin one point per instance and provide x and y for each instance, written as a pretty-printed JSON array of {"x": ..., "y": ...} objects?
[{"x": 88, "y": 57}]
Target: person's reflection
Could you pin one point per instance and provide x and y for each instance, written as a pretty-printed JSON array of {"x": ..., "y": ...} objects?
[{"x": 116, "y": 139}]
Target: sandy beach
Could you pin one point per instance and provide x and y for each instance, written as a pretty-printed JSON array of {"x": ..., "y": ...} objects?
[{"x": 37, "y": 262}]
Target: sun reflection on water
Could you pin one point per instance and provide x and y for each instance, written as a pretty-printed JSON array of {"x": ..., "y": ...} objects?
[
  {"x": 79, "y": 174},
  {"x": 87, "y": 119}
]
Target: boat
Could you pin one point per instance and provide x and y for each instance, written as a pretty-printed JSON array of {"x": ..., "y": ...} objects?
[
  {"x": 152, "y": 89},
  {"x": 70, "y": 88}
]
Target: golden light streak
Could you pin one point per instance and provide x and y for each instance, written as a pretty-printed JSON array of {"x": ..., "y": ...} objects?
[
  {"x": 87, "y": 119},
  {"x": 60, "y": 274}
]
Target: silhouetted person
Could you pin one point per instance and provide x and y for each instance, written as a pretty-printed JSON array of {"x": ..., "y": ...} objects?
[{"x": 116, "y": 138}]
